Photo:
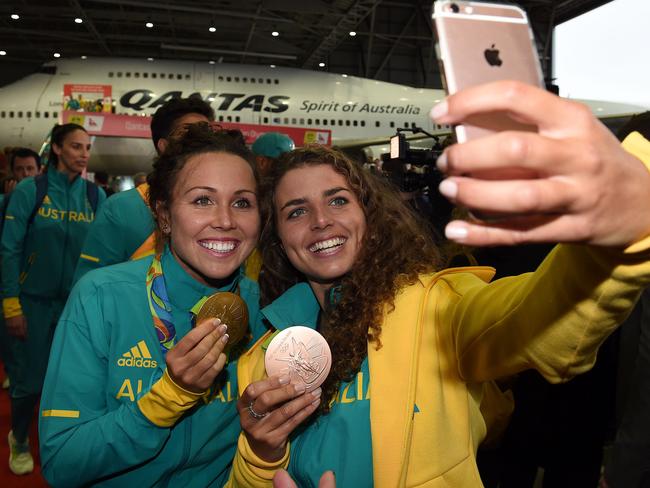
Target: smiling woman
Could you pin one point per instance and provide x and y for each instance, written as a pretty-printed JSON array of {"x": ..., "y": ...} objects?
[{"x": 138, "y": 390}]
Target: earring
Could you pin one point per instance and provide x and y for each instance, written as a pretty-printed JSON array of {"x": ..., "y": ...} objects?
[{"x": 164, "y": 228}]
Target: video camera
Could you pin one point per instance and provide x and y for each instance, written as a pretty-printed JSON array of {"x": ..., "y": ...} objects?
[{"x": 412, "y": 169}]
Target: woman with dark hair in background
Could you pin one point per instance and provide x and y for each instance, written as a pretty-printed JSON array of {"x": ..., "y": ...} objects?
[
  {"x": 414, "y": 348},
  {"x": 135, "y": 395},
  {"x": 45, "y": 224}
]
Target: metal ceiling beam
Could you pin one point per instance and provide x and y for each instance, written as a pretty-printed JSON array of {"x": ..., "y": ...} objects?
[
  {"x": 178, "y": 47},
  {"x": 196, "y": 10},
  {"x": 351, "y": 19},
  {"x": 90, "y": 26},
  {"x": 394, "y": 46}
]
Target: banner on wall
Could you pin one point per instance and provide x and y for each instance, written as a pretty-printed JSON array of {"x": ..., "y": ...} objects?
[
  {"x": 113, "y": 125},
  {"x": 88, "y": 98}
]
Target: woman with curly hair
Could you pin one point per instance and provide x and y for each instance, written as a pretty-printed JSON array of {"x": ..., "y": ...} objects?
[{"x": 414, "y": 348}]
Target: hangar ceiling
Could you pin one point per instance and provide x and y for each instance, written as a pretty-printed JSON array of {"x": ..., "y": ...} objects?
[{"x": 392, "y": 39}]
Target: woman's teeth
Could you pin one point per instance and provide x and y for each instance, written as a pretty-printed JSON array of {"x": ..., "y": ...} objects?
[
  {"x": 327, "y": 244},
  {"x": 219, "y": 246}
]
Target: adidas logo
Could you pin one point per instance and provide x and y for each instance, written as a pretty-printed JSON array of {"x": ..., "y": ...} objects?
[{"x": 138, "y": 357}]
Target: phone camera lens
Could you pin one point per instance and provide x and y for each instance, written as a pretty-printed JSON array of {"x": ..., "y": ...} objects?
[{"x": 454, "y": 8}]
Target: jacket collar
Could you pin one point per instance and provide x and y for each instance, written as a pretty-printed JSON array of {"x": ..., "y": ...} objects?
[{"x": 296, "y": 306}]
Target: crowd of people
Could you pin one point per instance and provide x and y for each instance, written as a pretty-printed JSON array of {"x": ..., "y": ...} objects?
[{"x": 101, "y": 299}]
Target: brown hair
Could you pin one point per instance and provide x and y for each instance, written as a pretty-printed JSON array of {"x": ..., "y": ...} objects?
[{"x": 396, "y": 249}]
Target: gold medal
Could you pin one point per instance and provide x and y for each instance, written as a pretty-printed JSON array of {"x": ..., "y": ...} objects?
[{"x": 231, "y": 310}]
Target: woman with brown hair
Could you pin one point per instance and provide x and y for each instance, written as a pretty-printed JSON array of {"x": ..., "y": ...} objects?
[{"x": 414, "y": 349}]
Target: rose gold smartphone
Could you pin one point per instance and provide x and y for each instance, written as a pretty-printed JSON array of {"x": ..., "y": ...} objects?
[{"x": 482, "y": 42}]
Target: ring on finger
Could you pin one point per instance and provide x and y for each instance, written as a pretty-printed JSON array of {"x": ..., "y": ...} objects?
[{"x": 254, "y": 414}]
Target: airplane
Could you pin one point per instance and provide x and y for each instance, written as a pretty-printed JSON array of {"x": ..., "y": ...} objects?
[{"x": 356, "y": 112}]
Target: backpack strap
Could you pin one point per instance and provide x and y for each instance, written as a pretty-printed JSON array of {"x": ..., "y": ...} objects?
[
  {"x": 92, "y": 194},
  {"x": 41, "y": 192}
]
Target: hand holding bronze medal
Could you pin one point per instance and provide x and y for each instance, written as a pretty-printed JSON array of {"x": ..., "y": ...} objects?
[
  {"x": 302, "y": 353},
  {"x": 231, "y": 310}
]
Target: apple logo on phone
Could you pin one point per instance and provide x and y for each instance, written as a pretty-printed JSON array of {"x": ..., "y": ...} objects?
[{"x": 492, "y": 56}]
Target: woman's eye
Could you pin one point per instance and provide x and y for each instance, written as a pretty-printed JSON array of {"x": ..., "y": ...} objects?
[
  {"x": 243, "y": 203},
  {"x": 338, "y": 201},
  {"x": 296, "y": 213},
  {"x": 202, "y": 201}
]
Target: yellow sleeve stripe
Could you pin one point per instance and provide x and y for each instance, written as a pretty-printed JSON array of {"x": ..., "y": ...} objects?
[
  {"x": 69, "y": 414},
  {"x": 11, "y": 307},
  {"x": 89, "y": 258},
  {"x": 9, "y": 217}
]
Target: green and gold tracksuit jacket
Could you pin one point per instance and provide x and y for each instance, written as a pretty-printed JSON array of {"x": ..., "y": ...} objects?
[
  {"x": 110, "y": 415},
  {"x": 39, "y": 259},
  {"x": 417, "y": 411}
]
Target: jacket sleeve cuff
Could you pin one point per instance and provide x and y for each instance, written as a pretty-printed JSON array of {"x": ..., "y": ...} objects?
[
  {"x": 11, "y": 307},
  {"x": 251, "y": 471},
  {"x": 166, "y": 402}
]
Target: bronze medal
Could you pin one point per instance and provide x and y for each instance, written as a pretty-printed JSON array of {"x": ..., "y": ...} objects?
[{"x": 231, "y": 310}]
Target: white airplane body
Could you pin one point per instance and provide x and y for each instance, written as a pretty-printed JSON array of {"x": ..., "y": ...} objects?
[{"x": 358, "y": 112}]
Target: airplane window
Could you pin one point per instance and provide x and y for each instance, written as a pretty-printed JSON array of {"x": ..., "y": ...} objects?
[
  {"x": 154, "y": 75},
  {"x": 20, "y": 113},
  {"x": 187, "y": 76},
  {"x": 308, "y": 121},
  {"x": 260, "y": 80},
  {"x": 276, "y": 81},
  {"x": 317, "y": 121},
  {"x": 237, "y": 79},
  {"x": 324, "y": 122},
  {"x": 136, "y": 74},
  {"x": 286, "y": 120},
  {"x": 55, "y": 114},
  {"x": 347, "y": 123},
  {"x": 377, "y": 123},
  {"x": 179, "y": 76},
  {"x": 302, "y": 121},
  {"x": 252, "y": 80},
  {"x": 119, "y": 74},
  {"x": 276, "y": 120},
  {"x": 355, "y": 123},
  {"x": 268, "y": 81},
  {"x": 110, "y": 74},
  {"x": 127, "y": 74},
  {"x": 293, "y": 121},
  {"x": 3, "y": 114},
  {"x": 29, "y": 115},
  {"x": 220, "y": 78},
  {"x": 392, "y": 124},
  {"x": 228, "y": 78},
  {"x": 340, "y": 122},
  {"x": 145, "y": 75},
  {"x": 46, "y": 114},
  {"x": 245, "y": 79},
  {"x": 363, "y": 123},
  {"x": 228, "y": 118},
  {"x": 237, "y": 118},
  {"x": 11, "y": 114},
  {"x": 220, "y": 118}
]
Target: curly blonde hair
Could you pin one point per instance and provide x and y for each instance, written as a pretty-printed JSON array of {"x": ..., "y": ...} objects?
[{"x": 396, "y": 249}]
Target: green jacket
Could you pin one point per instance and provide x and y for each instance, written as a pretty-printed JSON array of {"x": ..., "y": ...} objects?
[
  {"x": 106, "y": 363},
  {"x": 122, "y": 225},
  {"x": 39, "y": 259}
]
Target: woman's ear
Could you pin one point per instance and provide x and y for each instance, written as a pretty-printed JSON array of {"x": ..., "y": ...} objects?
[
  {"x": 163, "y": 217},
  {"x": 56, "y": 148}
]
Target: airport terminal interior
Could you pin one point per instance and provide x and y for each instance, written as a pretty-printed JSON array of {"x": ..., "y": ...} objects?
[{"x": 360, "y": 76}]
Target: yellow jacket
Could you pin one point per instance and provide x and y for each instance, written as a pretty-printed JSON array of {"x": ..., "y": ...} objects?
[{"x": 452, "y": 332}]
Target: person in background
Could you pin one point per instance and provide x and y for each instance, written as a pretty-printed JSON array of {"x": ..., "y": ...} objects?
[
  {"x": 38, "y": 259},
  {"x": 412, "y": 361},
  {"x": 139, "y": 179},
  {"x": 268, "y": 148},
  {"x": 124, "y": 229},
  {"x": 102, "y": 181},
  {"x": 135, "y": 393}
]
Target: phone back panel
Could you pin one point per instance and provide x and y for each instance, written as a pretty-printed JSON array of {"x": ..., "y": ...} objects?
[{"x": 483, "y": 42}]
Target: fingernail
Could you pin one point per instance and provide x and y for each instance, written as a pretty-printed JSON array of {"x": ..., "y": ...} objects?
[
  {"x": 216, "y": 322},
  {"x": 225, "y": 338},
  {"x": 223, "y": 329},
  {"x": 455, "y": 232},
  {"x": 316, "y": 402},
  {"x": 440, "y": 110},
  {"x": 299, "y": 388},
  {"x": 317, "y": 392},
  {"x": 448, "y": 188},
  {"x": 441, "y": 163},
  {"x": 284, "y": 379}
]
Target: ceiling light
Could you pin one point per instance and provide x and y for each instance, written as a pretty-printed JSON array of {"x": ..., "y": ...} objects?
[
  {"x": 149, "y": 59},
  {"x": 322, "y": 65},
  {"x": 352, "y": 33},
  {"x": 149, "y": 25},
  {"x": 272, "y": 66},
  {"x": 212, "y": 29},
  {"x": 57, "y": 55},
  {"x": 3, "y": 53},
  {"x": 275, "y": 33},
  {"x": 84, "y": 57},
  {"x": 15, "y": 16},
  {"x": 211, "y": 61},
  {"x": 344, "y": 76},
  {"x": 78, "y": 20}
]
